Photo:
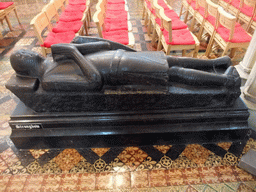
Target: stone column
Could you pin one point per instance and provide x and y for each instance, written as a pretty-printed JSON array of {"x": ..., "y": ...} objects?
[
  {"x": 245, "y": 66},
  {"x": 249, "y": 90}
]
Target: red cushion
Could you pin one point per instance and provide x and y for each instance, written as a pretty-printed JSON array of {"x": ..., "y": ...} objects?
[
  {"x": 247, "y": 10},
  {"x": 235, "y": 3},
  {"x": 62, "y": 26},
  {"x": 193, "y": 5},
  {"x": 4, "y": 5},
  {"x": 55, "y": 38},
  {"x": 111, "y": 25},
  {"x": 72, "y": 8},
  {"x": 171, "y": 14},
  {"x": 116, "y": 7},
  {"x": 201, "y": 10},
  {"x": 179, "y": 37},
  {"x": 176, "y": 24},
  {"x": 77, "y": 2},
  {"x": 115, "y": 2},
  {"x": 117, "y": 36},
  {"x": 240, "y": 35},
  {"x": 71, "y": 16},
  {"x": 116, "y": 15}
]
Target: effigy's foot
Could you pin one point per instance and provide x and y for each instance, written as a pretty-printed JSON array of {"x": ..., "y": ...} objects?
[{"x": 233, "y": 78}]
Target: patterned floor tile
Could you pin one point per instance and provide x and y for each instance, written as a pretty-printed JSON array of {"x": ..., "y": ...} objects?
[
  {"x": 67, "y": 159},
  {"x": 244, "y": 188},
  {"x": 86, "y": 181},
  {"x": 33, "y": 183},
  {"x": 51, "y": 183},
  {"x": 104, "y": 181},
  {"x": 174, "y": 177},
  {"x": 69, "y": 182},
  {"x": 4, "y": 182},
  {"x": 242, "y": 175},
  {"x": 100, "y": 151},
  {"x": 139, "y": 179},
  {"x": 157, "y": 178},
  {"x": 208, "y": 175},
  {"x": 225, "y": 174},
  {"x": 132, "y": 157},
  {"x": 191, "y": 176},
  {"x": 38, "y": 153},
  {"x": 16, "y": 183},
  {"x": 122, "y": 180},
  {"x": 163, "y": 148},
  {"x": 196, "y": 153}
]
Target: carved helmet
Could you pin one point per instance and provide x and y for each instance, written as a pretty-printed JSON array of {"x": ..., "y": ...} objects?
[{"x": 27, "y": 63}]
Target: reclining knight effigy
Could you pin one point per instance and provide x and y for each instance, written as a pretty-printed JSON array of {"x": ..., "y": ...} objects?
[{"x": 94, "y": 74}]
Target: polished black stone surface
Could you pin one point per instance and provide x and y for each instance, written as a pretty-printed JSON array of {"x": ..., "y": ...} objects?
[{"x": 105, "y": 129}]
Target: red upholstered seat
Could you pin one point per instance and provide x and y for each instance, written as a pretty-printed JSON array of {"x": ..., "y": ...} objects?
[
  {"x": 71, "y": 16},
  {"x": 176, "y": 24},
  {"x": 116, "y": 15},
  {"x": 179, "y": 37},
  {"x": 235, "y": 3},
  {"x": 55, "y": 38},
  {"x": 201, "y": 10},
  {"x": 171, "y": 14},
  {"x": 62, "y": 26},
  {"x": 72, "y": 8},
  {"x": 193, "y": 5},
  {"x": 77, "y": 2},
  {"x": 117, "y": 36},
  {"x": 115, "y": 2},
  {"x": 240, "y": 35},
  {"x": 113, "y": 25},
  {"x": 4, "y": 5},
  {"x": 115, "y": 7},
  {"x": 247, "y": 10}
]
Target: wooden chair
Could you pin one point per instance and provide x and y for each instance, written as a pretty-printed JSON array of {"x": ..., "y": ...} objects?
[
  {"x": 176, "y": 22},
  {"x": 247, "y": 12},
  {"x": 185, "y": 5},
  {"x": 224, "y": 3},
  {"x": 199, "y": 14},
  {"x": 228, "y": 34},
  {"x": 171, "y": 39},
  {"x": 120, "y": 36},
  {"x": 211, "y": 12},
  {"x": 8, "y": 7},
  {"x": 2, "y": 17},
  {"x": 59, "y": 5},
  {"x": 41, "y": 23}
]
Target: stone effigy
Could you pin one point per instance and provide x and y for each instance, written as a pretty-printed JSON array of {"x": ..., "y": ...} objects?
[
  {"x": 98, "y": 93},
  {"x": 94, "y": 75}
]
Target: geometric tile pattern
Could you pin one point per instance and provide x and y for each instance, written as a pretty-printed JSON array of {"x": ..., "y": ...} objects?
[{"x": 193, "y": 167}]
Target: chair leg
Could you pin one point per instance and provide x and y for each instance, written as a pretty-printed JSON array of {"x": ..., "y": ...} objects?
[
  {"x": 44, "y": 51},
  {"x": 184, "y": 52},
  {"x": 159, "y": 45},
  {"x": 168, "y": 50},
  {"x": 15, "y": 11},
  {"x": 186, "y": 17},
  {"x": 232, "y": 53},
  {"x": 8, "y": 23},
  {"x": 225, "y": 51},
  {"x": 1, "y": 36},
  {"x": 200, "y": 33},
  {"x": 192, "y": 24},
  {"x": 196, "y": 51},
  {"x": 154, "y": 36},
  {"x": 181, "y": 10},
  {"x": 209, "y": 47},
  {"x": 149, "y": 27}
]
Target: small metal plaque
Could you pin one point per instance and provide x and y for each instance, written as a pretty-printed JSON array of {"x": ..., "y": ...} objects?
[{"x": 28, "y": 126}]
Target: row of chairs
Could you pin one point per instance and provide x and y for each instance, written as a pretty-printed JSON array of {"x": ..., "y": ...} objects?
[
  {"x": 5, "y": 9},
  {"x": 244, "y": 10},
  {"x": 170, "y": 32},
  {"x": 63, "y": 20},
  {"x": 222, "y": 26},
  {"x": 113, "y": 21}
]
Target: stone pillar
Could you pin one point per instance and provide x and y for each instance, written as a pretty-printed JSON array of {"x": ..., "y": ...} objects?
[
  {"x": 245, "y": 66},
  {"x": 249, "y": 90}
]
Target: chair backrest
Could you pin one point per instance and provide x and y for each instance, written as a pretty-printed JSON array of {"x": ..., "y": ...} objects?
[
  {"x": 227, "y": 20},
  {"x": 250, "y": 3},
  {"x": 39, "y": 23},
  {"x": 211, "y": 8},
  {"x": 200, "y": 3},
  {"x": 58, "y": 5},
  {"x": 99, "y": 16},
  {"x": 51, "y": 12},
  {"x": 166, "y": 23},
  {"x": 157, "y": 8}
]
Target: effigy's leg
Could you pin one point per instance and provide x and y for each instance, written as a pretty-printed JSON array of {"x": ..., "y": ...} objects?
[
  {"x": 201, "y": 64},
  {"x": 229, "y": 79}
]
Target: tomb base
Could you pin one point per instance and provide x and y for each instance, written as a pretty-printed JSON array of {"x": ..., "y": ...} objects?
[{"x": 31, "y": 130}]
